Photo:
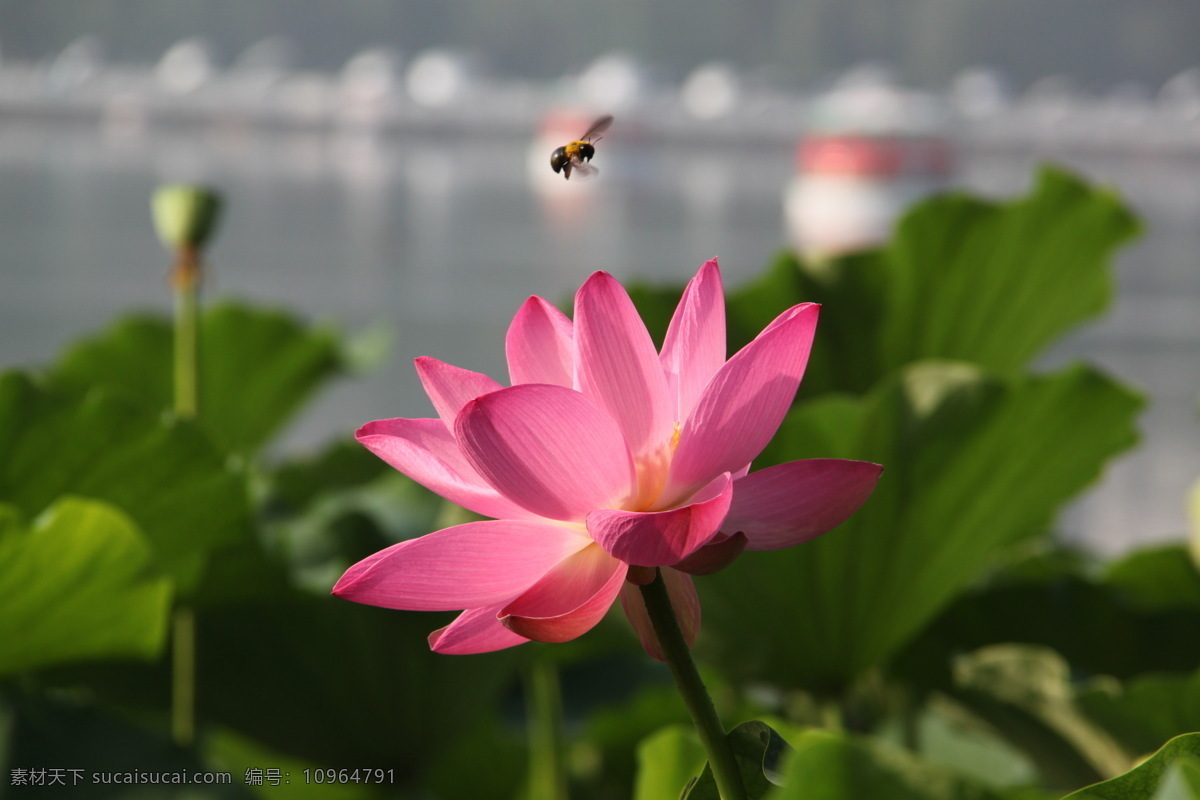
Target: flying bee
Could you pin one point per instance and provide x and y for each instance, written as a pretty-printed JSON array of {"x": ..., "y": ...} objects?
[{"x": 574, "y": 155}]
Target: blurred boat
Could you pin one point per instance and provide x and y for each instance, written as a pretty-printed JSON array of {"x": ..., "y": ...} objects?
[
  {"x": 849, "y": 189},
  {"x": 873, "y": 148}
]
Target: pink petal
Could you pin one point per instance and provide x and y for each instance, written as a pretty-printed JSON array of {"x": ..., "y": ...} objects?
[
  {"x": 569, "y": 600},
  {"x": 540, "y": 345},
  {"x": 424, "y": 450},
  {"x": 474, "y": 631},
  {"x": 788, "y": 315},
  {"x": 791, "y": 503},
  {"x": 450, "y": 387},
  {"x": 694, "y": 348},
  {"x": 467, "y": 566},
  {"x": 547, "y": 448},
  {"x": 744, "y": 403},
  {"x": 714, "y": 556},
  {"x": 660, "y": 538},
  {"x": 617, "y": 365},
  {"x": 684, "y": 600}
]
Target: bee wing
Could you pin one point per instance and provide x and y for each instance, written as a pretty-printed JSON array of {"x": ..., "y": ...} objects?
[
  {"x": 598, "y": 128},
  {"x": 583, "y": 169}
]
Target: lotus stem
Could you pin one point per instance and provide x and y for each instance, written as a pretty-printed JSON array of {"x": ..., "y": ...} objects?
[
  {"x": 547, "y": 767},
  {"x": 691, "y": 687},
  {"x": 186, "y": 284}
]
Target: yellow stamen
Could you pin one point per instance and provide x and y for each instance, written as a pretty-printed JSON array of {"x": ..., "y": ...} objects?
[{"x": 652, "y": 472}]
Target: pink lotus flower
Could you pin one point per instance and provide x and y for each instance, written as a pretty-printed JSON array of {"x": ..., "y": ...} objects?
[{"x": 603, "y": 459}]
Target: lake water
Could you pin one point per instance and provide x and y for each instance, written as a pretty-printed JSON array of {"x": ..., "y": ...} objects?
[{"x": 442, "y": 238}]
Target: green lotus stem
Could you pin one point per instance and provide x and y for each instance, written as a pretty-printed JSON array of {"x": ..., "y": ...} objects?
[
  {"x": 547, "y": 764},
  {"x": 691, "y": 687},
  {"x": 183, "y": 676},
  {"x": 185, "y": 219},
  {"x": 186, "y": 282}
]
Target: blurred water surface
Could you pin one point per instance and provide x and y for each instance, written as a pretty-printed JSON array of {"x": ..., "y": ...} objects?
[{"x": 442, "y": 237}]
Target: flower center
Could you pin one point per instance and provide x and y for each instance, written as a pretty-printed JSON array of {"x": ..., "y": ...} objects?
[{"x": 652, "y": 468}]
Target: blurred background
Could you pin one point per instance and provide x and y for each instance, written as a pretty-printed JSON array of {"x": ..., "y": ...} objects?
[{"x": 387, "y": 163}]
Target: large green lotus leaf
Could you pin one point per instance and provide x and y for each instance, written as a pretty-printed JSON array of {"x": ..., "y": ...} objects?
[
  {"x": 1193, "y": 516},
  {"x": 750, "y": 307},
  {"x": 1157, "y": 578},
  {"x": 1057, "y": 759},
  {"x": 758, "y": 750},
  {"x": 995, "y": 283},
  {"x": 1182, "y": 781},
  {"x": 1170, "y": 774},
  {"x": 322, "y": 680},
  {"x": 1025, "y": 693},
  {"x": 162, "y": 472},
  {"x": 317, "y": 516},
  {"x": 856, "y": 302},
  {"x": 1139, "y": 617},
  {"x": 845, "y": 354},
  {"x": 832, "y": 766},
  {"x": 86, "y": 742},
  {"x": 667, "y": 761},
  {"x": 79, "y": 584},
  {"x": 973, "y": 464},
  {"x": 972, "y": 748},
  {"x": 499, "y": 745},
  {"x": 655, "y": 305},
  {"x": 963, "y": 278},
  {"x": 257, "y": 367},
  {"x": 324, "y": 513},
  {"x": 629, "y": 698},
  {"x": 296, "y": 484},
  {"x": 267, "y": 773},
  {"x": 342, "y": 684},
  {"x": 1144, "y": 711}
]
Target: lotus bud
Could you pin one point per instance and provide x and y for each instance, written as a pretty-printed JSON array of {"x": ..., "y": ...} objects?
[{"x": 185, "y": 216}]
